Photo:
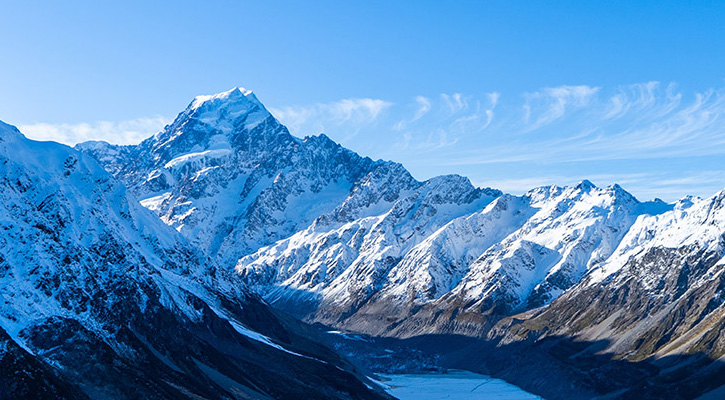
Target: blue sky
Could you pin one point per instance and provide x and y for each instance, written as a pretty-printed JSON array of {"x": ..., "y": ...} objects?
[{"x": 511, "y": 94}]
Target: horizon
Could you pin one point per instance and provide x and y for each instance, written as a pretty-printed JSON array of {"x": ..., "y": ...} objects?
[{"x": 511, "y": 96}]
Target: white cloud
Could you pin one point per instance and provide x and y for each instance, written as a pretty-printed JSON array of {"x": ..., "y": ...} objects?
[
  {"x": 642, "y": 98},
  {"x": 432, "y": 124},
  {"x": 642, "y": 121},
  {"x": 455, "y": 102},
  {"x": 120, "y": 132},
  {"x": 550, "y": 104},
  {"x": 424, "y": 107},
  {"x": 316, "y": 118}
]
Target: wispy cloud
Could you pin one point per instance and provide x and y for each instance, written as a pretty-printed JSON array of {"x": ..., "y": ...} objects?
[
  {"x": 442, "y": 121},
  {"x": 423, "y": 108},
  {"x": 548, "y": 131},
  {"x": 455, "y": 102},
  {"x": 634, "y": 122},
  {"x": 349, "y": 115},
  {"x": 550, "y": 104},
  {"x": 120, "y": 132}
]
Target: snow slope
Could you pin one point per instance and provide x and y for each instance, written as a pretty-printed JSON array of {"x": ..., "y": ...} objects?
[
  {"x": 348, "y": 264},
  {"x": 508, "y": 252}
]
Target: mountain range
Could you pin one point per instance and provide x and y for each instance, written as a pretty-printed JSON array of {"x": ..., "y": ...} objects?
[
  {"x": 204, "y": 261},
  {"x": 101, "y": 299}
]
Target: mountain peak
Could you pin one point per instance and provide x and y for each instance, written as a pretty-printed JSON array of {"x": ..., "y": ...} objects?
[
  {"x": 226, "y": 106},
  {"x": 586, "y": 185},
  {"x": 235, "y": 95},
  {"x": 235, "y": 110}
]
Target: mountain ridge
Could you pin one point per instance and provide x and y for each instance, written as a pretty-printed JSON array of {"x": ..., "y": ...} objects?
[{"x": 362, "y": 246}]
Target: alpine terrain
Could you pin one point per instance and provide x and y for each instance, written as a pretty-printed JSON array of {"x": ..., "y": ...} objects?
[
  {"x": 570, "y": 292},
  {"x": 100, "y": 299}
]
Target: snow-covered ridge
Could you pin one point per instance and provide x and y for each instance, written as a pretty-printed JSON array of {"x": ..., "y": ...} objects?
[
  {"x": 694, "y": 222},
  {"x": 339, "y": 261},
  {"x": 523, "y": 251}
]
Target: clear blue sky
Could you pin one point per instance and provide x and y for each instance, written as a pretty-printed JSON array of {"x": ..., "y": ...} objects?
[{"x": 511, "y": 94}]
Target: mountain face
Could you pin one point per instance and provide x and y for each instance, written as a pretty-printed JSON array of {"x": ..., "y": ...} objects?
[
  {"x": 618, "y": 295},
  {"x": 343, "y": 266},
  {"x": 100, "y": 299},
  {"x": 492, "y": 257},
  {"x": 230, "y": 178},
  {"x": 658, "y": 299}
]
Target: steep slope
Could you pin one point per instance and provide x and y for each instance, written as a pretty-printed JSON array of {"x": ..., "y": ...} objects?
[
  {"x": 572, "y": 231},
  {"x": 660, "y": 264},
  {"x": 338, "y": 268},
  {"x": 100, "y": 298}
]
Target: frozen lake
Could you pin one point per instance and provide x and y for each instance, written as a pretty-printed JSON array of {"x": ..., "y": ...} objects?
[{"x": 459, "y": 385}]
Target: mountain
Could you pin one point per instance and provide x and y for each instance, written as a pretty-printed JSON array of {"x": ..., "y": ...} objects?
[
  {"x": 657, "y": 301},
  {"x": 231, "y": 178},
  {"x": 342, "y": 267},
  {"x": 573, "y": 292},
  {"x": 496, "y": 256},
  {"x": 101, "y": 299}
]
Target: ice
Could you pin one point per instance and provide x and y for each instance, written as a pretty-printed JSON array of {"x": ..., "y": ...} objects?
[{"x": 459, "y": 385}]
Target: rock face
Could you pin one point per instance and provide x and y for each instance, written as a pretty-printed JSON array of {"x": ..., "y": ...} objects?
[{"x": 100, "y": 299}]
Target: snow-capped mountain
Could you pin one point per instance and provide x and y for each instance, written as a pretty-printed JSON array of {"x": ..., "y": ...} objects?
[
  {"x": 569, "y": 232},
  {"x": 512, "y": 254},
  {"x": 656, "y": 303},
  {"x": 328, "y": 234},
  {"x": 671, "y": 268},
  {"x": 341, "y": 239},
  {"x": 100, "y": 299},
  {"x": 343, "y": 266},
  {"x": 230, "y": 177}
]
